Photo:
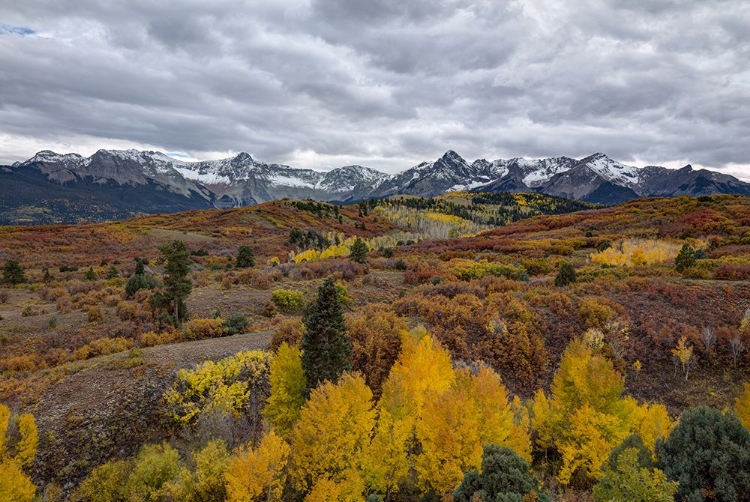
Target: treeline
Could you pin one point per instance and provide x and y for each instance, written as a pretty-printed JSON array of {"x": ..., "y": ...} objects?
[{"x": 492, "y": 209}]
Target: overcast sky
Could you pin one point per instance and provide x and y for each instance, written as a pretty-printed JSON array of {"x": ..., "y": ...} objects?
[{"x": 382, "y": 83}]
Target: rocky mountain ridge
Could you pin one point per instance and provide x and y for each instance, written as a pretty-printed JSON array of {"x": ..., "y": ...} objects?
[{"x": 133, "y": 182}]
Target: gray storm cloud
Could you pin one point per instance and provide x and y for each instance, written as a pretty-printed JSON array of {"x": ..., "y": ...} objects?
[{"x": 383, "y": 83}]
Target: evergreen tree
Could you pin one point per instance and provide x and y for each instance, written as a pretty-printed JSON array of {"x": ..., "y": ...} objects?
[
  {"x": 90, "y": 274},
  {"x": 140, "y": 279},
  {"x": 113, "y": 273},
  {"x": 566, "y": 275},
  {"x": 48, "y": 276},
  {"x": 685, "y": 258},
  {"x": 13, "y": 273},
  {"x": 177, "y": 283},
  {"x": 326, "y": 347},
  {"x": 245, "y": 257},
  {"x": 708, "y": 453},
  {"x": 505, "y": 476},
  {"x": 140, "y": 266},
  {"x": 358, "y": 251}
]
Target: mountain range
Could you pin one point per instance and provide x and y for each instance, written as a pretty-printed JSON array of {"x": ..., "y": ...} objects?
[{"x": 115, "y": 184}]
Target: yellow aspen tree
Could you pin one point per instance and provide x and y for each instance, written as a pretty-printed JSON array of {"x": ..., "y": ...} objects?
[
  {"x": 26, "y": 446},
  {"x": 4, "y": 424},
  {"x": 207, "y": 482},
  {"x": 541, "y": 419},
  {"x": 332, "y": 434},
  {"x": 455, "y": 426},
  {"x": 683, "y": 351},
  {"x": 15, "y": 485},
  {"x": 422, "y": 369},
  {"x": 255, "y": 475},
  {"x": 497, "y": 422},
  {"x": 742, "y": 406},
  {"x": 587, "y": 415},
  {"x": 587, "y": 443},
  {"x": 324, "y": 490},
  {"x": 387, "y": 463},
  {"x": 652, "y": 422},
  {"x": 288, "y": 383},
  {"x": 450, "y": 440}
]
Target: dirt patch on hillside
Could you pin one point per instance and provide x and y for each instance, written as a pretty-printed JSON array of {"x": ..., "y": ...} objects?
[{"x": 112, "y": 406}]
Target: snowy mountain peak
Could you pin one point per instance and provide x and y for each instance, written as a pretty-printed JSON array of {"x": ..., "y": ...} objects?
[
  {"x": 452, "y": 156},
  {"x": 611, "y": 170},
  {"x": 48, "y": 156},
  {"x": 243, "y": 158}
]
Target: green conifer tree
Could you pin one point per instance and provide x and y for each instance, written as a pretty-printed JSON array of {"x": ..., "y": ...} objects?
[
  {"x": 90, "y": 274},
  {"x": 708, "y": 453},
  {"x": 358, "y": 251},
  {"x": 177, "y": 283},
  {"x": 566, "y": 275},
  {"x": 326, "y": 347},
  {"x": 13, "y": 273},
  {"x": 685, "y": 258},
  {"x": 245, "y": 257}
]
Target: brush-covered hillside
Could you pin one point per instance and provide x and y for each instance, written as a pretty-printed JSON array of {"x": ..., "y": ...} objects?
[{"x": 462, "y": 320}]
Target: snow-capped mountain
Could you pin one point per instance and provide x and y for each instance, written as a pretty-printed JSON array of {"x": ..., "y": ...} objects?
[
  {"x": 119, "y": 183},
  {"x": 449, "y": 173}
]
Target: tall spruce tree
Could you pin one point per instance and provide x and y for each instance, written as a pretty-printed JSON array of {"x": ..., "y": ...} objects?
[
  {"x": 177, "y": 284},
  {"x": 326, "y": 347},
  {"x": 358, "y": 251}
]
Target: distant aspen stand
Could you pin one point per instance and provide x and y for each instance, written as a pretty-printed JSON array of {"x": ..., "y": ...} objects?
[{"x": 635, "y": 252}]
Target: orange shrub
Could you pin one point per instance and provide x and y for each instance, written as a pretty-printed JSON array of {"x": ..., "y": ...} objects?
[
  {"x": 29, "y": 362},
  {"x": 95, "y": 314},
  {"x": 732, "y": 272},
  {"x": 197, "y": 329},
  {"x": 289, "y": 331}
]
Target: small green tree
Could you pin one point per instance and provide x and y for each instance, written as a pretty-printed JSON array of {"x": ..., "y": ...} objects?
[
  {"x": 236, "y": 323},
  {"x": 358, "y": 251},
  {"x": 155, "y": 468},
  {"x": 90, "y": 274},
  {"x": 685, "y": 258},
  {"x": 708, "y": 453},
  {"x": 566, "y": 275},
  {"x": 106, "y": 483},
  {"x": 13, "y": 273},
  {"x": 177, "y": 284},
  {"x": 505, "y": 477},
  {"x": 112, "y": 272},
  {"x": 140, "y": 266},
  {"x": 630, "y": 475},
  {"x": 326, "y": 348},
  {"x": 245, "y": 257},
  {"x": 140, "y": 279}
]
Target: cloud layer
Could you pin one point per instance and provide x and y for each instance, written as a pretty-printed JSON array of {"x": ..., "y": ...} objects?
[{"x": 383, "y": 83}]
